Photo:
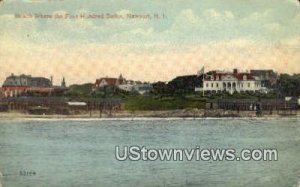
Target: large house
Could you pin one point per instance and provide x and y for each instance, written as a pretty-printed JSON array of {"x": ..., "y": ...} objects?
[
  {"x": 123, "y": 84},
  {"x": 107, "y": 81},
  {"x": 219, "y": 81},
  {"x": 27, "y": 80},
  {"x": 24, "y": 84}
]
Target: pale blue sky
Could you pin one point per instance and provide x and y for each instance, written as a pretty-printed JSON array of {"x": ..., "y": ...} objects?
[{"x": 186, "y": 21}]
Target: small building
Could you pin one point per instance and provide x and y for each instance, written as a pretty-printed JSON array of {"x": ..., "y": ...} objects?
[
  {"x": 143, "y": 88},
  {"x": 136, "y": 86},
  {"x": 128, "y": 87}
]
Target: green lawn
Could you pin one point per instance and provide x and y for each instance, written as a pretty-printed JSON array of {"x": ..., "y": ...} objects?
[{"x": 134, "y": 103}]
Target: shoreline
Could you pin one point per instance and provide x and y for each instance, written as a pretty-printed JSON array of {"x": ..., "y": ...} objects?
[{"x": 168, "y": 114}]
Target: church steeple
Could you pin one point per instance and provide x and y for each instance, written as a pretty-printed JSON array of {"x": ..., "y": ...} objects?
[{"x": 63, "y": 83}]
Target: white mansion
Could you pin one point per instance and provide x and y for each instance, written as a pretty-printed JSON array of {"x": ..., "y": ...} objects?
[{"x": 218, "y": 81}]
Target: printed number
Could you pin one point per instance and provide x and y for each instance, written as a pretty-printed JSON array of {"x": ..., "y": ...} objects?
[{"x": 27, "y": 173}]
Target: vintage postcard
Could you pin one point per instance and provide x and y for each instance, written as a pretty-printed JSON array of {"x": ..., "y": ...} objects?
[{"x": 149, "y": 93}]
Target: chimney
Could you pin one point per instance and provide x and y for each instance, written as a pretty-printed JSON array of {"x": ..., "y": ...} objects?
[{"x": 235, "y": 71}]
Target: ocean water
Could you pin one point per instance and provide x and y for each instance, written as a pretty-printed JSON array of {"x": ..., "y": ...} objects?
[{"x": 71, "y": 153}]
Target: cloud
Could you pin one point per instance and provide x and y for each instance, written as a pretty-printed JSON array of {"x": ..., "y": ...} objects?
[
  {"x": 140, "y": 31},
  {"x": 28, "y": 1},
  {"x": 296, "y": 19},
  {"x": 188, "y": 15},
  {"x": 86, "y": 62},
  {"x": 292, "y": 43},
  {"x": 213, "y": 14},
  {"x": 273, "y": 27},
  {"x": 294, "y": 2}
]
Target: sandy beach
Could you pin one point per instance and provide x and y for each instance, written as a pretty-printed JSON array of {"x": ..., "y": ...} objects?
[{"x": 154, "y": 114}]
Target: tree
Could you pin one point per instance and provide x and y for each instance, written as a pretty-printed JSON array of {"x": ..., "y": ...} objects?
[
  {"x": 289, "y": 85},
  {"x": 160, "y": 88}
]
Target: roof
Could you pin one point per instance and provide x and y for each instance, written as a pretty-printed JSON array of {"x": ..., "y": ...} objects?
[
  {"x": 262, "y": 71},
  {"x": 265, "y": 74},
  {"x": 109, "y": 81},
  {"x": 238, "y": 76},
  {"x": 27, "y": 80}
]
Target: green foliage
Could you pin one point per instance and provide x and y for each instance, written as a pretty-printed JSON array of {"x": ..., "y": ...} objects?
[
  {"x": 245, "y": 95},
  {"x": 110, "y": 92},
  {"x": 1, "y": 94},
  {"x": 185, "y": 84},
  {"x": 86, "y": 91},
  {"x": 155, "y": 103},
  {"x": 289, "y": 85},
  {"x": 82, "y": 90},
  {"x": 179, "y": 86}
]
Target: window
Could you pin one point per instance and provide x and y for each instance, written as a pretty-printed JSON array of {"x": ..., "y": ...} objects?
[
  {"x": 212, "y": 85},
  {"x": 217, "y": 84},
  {"x": 248, "y": 85},
  {"x": 207, "y": 85}
]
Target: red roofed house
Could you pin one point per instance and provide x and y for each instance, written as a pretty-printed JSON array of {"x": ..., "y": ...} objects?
[
  {"x": 106, "y": 81},
  {"x": 230, "y": 82}
]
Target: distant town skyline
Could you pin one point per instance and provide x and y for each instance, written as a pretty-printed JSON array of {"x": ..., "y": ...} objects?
[
  {"x": 191, "y": 34},
  {"x": 58, "y": 82}
]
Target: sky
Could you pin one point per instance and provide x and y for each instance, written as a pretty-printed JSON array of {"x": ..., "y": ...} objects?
[{"x": 190, "y": 34}]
